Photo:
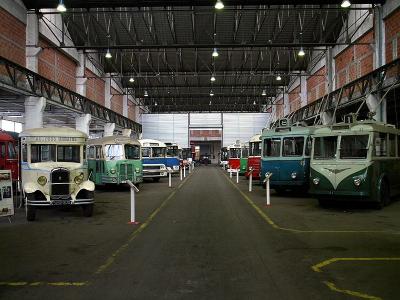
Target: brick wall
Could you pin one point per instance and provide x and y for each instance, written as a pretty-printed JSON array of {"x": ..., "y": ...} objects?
[
  {"x": 56, "y": 66},
  {"x": 392, "y": 36},
  {"x": 355, "y": 61},
  {"x": 116, "y": 101},
  {"x": 316, "y": 85},
  {"x": 295, "y": 99},
  {"x": 12, "y": 38},
  {"x": 131, "y": 111},
  {"x": 280, "y": 110},
  {"x": 94, "y": 87}
]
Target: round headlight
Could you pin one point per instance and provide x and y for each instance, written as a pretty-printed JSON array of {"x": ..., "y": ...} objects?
[
  {"x": 294, "y": 175},
  {"x": 137, "y": 170},
  {"x": 357, "y": 181},
  {"x": 42, "y": 180},
  {"x": 78, "y": 179},
  {"x": 316, "y": 181},
  {"x": 113, "y": 171}
]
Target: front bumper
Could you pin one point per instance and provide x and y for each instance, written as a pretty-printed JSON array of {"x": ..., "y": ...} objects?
[{"x": 60, "y": 202}]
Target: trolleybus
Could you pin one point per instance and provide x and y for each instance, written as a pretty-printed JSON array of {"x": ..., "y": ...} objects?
[
  {"x": 54, "y": 170},
  {"x": 357, "y": 160},
  {"x": 224, "y": 157},
  {"x": 286, "y": 154},
  {"x": 254, "y": 159},
  {"x": 243, "y": 158},
  {"x": 186, "y": 157},
  {"x": 114, "y": 160},
  {"x": 174, "y": 153},
  {"x": 234, "y": 155},
  {"x": 8, "y": 154},
  {"x": 154, "y": 159}
]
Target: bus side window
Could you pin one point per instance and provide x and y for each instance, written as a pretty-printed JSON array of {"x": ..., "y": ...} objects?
[
  {"x": 380, "y": 144},
  {"x": 2, "y": 150},
  {"x": 24, "y": 151},
  {"x": 307, "y": 150},
  {"x": 91, "y": 154},
  {"x": 98, "y": 152},
  {"x": 392, "y": 145}
]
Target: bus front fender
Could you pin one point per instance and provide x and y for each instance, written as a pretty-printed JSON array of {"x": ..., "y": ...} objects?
[
  {"x": 87, "y": 185},
  {"x": 30, "y": 187}
]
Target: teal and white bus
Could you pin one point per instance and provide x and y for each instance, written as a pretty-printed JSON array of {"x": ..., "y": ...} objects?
[{"x": 356, "y": 161}]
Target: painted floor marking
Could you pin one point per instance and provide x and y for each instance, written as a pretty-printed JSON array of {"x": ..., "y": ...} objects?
[
  {"x": 43, "y": 283},
  {"x": 276, "y": 226},
  {"x": 334, "y": 288}
]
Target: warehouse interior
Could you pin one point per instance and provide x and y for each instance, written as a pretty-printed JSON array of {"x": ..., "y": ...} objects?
[{"x": 221, "y": 149}]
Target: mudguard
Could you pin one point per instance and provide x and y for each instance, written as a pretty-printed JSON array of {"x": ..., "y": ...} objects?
[{"x": 30, "y": 187}]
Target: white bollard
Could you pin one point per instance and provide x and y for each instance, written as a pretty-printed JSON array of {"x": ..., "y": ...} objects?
[
  {"x": 237, "y": 175},
  {"x": 134, "y": 190},
  {"x": 251, "y": 180},
  {"x": 180, "y": 173},
  {"x": 184, "y": 172},
  {"x": 267, "y": 189},
  {"x": 192, "y": 165},
  {"x": 169, "y": 179},
  {"x": 189, "y": 168},
  {"x": 230, "y": 173}
]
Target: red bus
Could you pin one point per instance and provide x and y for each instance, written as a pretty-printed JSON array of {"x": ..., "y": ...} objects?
[
  {"x": 254, "y": 160},
  {"x": 234, "y": 155},
  {"x": 9, "y": 154}
]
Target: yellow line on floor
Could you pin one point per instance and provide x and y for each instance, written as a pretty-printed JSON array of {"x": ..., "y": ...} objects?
[
  {"x": 334, "y": 288},
  {"x": 319, "y": 266},
  {"x": 276, "y": 226},
  {"x": 110, "y": 260},
  {"x": 42, "y": 283}
]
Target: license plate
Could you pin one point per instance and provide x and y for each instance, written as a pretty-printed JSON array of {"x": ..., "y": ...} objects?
[{"x": 61, "y": 202}]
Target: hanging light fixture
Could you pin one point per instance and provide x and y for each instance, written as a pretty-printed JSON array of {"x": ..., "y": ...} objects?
[
  {"x": 209, "y": 103},
  {"x": 131, "y": 79},
  {"x": 61, "y": 7},
  {"x": 345, "y": 4},
  {"x": 108, "y": 54},
  {"x": 215, "y": 53},
  {"x": 301, "y": 52},
  {"x": 155, "y": 104},
  {"x": 254, "y": 103},
  {"x": 212, "y": 79},
  {"x": 219, "y": 4},
  {"x": 211, "y": 93},
  {"x": 264, "y": 93},
  {"x": 279, "y": 78},
  {"x": 145, "y": 94}
]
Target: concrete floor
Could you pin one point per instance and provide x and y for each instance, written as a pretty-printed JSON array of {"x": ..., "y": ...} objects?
[{"x": 207, "y": 238}]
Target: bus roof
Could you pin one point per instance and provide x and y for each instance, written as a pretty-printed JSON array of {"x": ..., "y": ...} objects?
[
  {"x": 288, "y": 131},
  {"x": 115, "y": 139},
  {"x": 255, "y": 138},
  {"x": 4, "y": 136},
  {"x": 359, "y": 126},
  {"x": 53, "y": 131},
  {"x": 152, "y": 143}
]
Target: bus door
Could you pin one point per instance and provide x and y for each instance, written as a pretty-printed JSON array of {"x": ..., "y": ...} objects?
[{"x": 2, "y": 155}]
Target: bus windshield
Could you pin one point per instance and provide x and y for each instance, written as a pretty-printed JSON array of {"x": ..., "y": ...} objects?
[
  {"x": 158, "y": 152},
  {"x": 132, "y": 152},
  {"x": 234, "y": 153},
  {"x": 114, "y": 152},
  {"x": 12, "y": 152},
  {"x": 245, "y": 152},
  {"x": 255, "y": 149},
  {"x": 293, "y": 146},
  {"x": 146, "y": 152},
  {"x": 272, "y": 147},
  {"x": 186, "y": 153},
  {"x": 172, "y": 151},
  {"x": 354, "y": 146},
  {"x": 224, "y": 155},
  {"x": 53, "y": 153},
  {"x": 325, "y": 147}
]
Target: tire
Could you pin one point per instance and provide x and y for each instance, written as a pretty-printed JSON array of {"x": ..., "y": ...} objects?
[
  {"x": 383, "y": 195},
  {"x": 30, "y": 213},
  {"x": 156, "y": 179},
  {"x": 87, "y": 210}
]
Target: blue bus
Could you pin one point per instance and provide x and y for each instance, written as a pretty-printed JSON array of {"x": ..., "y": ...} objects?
[
  {"x": 174, "y": 155},
  {"x": 286, "y": 154},
  {"x": 154, "y": 159}
]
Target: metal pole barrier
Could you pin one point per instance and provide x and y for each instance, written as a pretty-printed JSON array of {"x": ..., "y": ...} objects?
[
  {"x": 250, "y": 179},
  {"x": 192, "y": 163},
  {"x": 230, "y": 173},
  {"x": 180, "y": 173},
  {"x": 134, "y": 190},
  {"x": 267, "y": 189},
  {"x": 184, "y": 172},
  {"x": 169, "y": 176},
  {"x": 189, "y": 169},
  {"x": 237, "y": 175}
]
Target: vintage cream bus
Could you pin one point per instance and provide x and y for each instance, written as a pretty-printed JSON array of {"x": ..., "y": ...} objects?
[
  {"x": 356, "y": 161},
  {"x": 54, "y": 169}
]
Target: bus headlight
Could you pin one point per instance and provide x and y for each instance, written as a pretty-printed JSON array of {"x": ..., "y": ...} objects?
[
  {"x": 137, "y": 170},
  {"x": 78, "y": 179},
  {"x": 357, "y": 181},
  {"x": 316, "y": 181},
  {"x": 42, "y": 180},
  {"x": 162, "y": 168},
  {"x": 113, "y": 171},
  {"x": 294, "y": 175}
]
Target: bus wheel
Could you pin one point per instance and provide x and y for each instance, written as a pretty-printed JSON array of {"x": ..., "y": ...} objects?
[
  {"x": 383, "y": 195},
  {"x": 156, "y": 179},
  {"x": 30, "y": 213},
  {"x": 87, "y": 210}
]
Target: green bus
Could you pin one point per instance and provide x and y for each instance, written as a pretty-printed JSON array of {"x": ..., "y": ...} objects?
[
  {"x": 114, "y": 160},
  {"x": 355, "y": 161}
]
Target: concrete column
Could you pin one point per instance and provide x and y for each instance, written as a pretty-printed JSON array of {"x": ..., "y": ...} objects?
[
  {"x": 330, "y": 70},
  {"x": 82, "y": 123},
  {"x": 125, "y": 107},
  {"x": 80, "y": 74},
  {"x": 126, "y": 132},
  {"x": 303, "y": 87},
  {"x": 34, "y": 108},
  {"x": 32, "y": 38},
  {"x": 379, "y": 58},
  {"x": 107, "y": 91},
  {"x": 109, "y": 129}
]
